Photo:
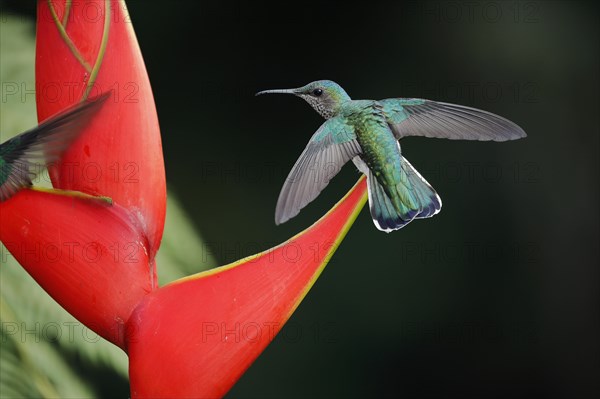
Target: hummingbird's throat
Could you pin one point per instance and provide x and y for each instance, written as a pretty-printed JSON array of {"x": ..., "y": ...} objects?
[{"x": 323, "y": 108}]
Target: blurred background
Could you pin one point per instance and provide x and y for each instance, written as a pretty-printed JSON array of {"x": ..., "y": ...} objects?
[{"x": 497, "y": 296}]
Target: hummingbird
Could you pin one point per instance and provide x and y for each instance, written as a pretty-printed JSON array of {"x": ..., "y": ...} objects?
[
  {"x": 368, "y": 132},
  {"x": 21, "y": 155}
]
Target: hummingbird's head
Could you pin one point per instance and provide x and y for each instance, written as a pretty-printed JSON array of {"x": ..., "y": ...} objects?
[{"x": 325, "y": 96}]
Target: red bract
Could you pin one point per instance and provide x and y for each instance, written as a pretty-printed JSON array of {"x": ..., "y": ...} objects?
[
  {"x": 90, "y": 257},
  {"x": 194, "y": 337},
  {"x": 86, "y": 49}
]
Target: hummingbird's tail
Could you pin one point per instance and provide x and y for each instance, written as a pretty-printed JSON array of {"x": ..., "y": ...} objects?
[{"x": 414, "y": 198}]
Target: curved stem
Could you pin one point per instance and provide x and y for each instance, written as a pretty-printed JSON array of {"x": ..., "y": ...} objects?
[
  {"x": 67, "y": 39},
  {"x": 101, "y": 51},
  {"x": 66, "y": 14}
]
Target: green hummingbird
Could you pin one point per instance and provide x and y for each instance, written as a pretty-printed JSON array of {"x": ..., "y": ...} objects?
[
  {"x": 368, "y": 133},
  {"x": 22, "y": 155}
]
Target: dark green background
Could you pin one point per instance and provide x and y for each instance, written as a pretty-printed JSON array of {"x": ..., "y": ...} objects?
[{"x": 497, "y": 296}]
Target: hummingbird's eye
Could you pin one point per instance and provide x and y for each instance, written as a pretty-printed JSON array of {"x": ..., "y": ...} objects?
[{"x": 317, "y": 92}]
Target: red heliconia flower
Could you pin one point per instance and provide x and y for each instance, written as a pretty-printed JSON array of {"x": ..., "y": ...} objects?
[
  {"x": 194, "y": 337},
  {"x": 84, "y": 49}
]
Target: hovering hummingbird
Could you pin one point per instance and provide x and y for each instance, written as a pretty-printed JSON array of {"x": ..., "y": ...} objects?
[
  {"x": 20, "y": 156},
  {"x": 368, "y": 133}
]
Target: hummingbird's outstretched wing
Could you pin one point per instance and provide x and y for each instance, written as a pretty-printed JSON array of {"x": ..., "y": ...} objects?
[
  {"x": 417, "y": 117},
  {"x": 329, "y": 149},
  {"x": 24, "y": 156}
]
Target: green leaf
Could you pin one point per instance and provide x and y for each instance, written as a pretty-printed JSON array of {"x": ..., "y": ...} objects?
[{"x": 182, "y": 251}]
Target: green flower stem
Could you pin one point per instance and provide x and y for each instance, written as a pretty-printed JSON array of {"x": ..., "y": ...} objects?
[
  {"x": 101, "y": 51},
  {"x": 66, "y": 16},
  {"x": 67, "y": 39}
]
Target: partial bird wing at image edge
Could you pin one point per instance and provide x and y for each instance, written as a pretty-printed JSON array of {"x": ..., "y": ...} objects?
[{"x": 26, "y": 155}]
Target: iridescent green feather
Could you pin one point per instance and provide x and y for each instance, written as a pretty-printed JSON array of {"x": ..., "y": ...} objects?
[
  {"x": 5, "y": 164},
  {"x": 394, "y": 110},
  {"x": 337, "y": 130}
]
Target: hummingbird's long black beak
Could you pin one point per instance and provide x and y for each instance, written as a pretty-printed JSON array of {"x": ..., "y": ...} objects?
[{"x": 277, "y": 91}]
